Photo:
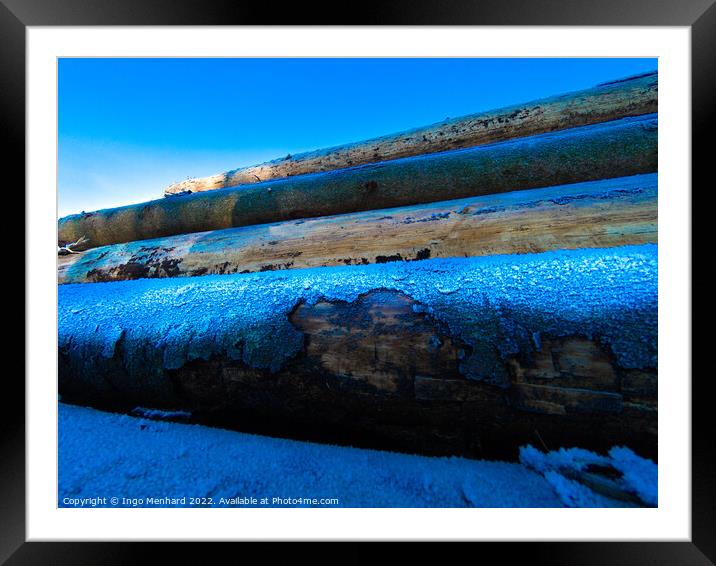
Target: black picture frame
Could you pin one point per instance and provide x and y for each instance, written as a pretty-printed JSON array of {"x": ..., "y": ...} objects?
[{"x": 16, "y": 15}]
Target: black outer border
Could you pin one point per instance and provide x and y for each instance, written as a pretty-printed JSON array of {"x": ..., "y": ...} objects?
[{"x": 15, "y": 15}]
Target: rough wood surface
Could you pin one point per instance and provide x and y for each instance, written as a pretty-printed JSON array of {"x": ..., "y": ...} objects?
[
  {"x": 609, "y": 101},
  {"x": 596, "y": 214},
  {"x": 619, "y": 148},
  {"x": 429, "y": 354}
]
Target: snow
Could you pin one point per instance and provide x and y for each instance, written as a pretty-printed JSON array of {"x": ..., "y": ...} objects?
[
  {"x": 574, "y": 458},
  {"x": 639, "y": 476},
  {"x": 105, "y": 455},
  {"x": 157, "y": 414}
]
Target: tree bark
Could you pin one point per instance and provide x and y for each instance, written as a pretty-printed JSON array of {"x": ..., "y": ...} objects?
[
  {"x": 600, "y": 214},
  {"x": 615, "y": 149},
  {"x": 609, "y": 101},
  {"x": 429, "y": 355}
]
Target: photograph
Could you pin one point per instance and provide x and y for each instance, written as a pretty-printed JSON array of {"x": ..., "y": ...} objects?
[{"x": 357, "y": 282}]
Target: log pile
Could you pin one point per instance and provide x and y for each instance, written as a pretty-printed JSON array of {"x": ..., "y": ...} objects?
[
  {"x": 615, "y": 149},
  {"x": 598, "y": 214},
  {"x": 463, "y": 295}
]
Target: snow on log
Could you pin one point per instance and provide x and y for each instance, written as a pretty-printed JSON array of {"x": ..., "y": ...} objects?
[
  {"x": 606, "y": 213},
  {"x": 609, "y": 101},
  {"x": 614, "y": 149},
  {"x": 449, "y": 355}
]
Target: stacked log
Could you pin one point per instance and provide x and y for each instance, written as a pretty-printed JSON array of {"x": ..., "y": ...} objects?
[
  {"x": 599, "y": 214},
  {"x": 632, "y": 96},
  {"x": 614, "y": 149},
  {"x": 446, "y": 294}
]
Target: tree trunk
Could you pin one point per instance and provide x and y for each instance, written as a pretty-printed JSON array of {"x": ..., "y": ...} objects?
[
  {"x": 599, "y": 214},
  {"x": 609, "y": 101},
  {"x": 615, "y": 149},
  {"x": 445, "y": 355}
]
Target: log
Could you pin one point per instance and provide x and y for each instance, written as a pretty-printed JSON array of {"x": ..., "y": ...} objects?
[
  {"x": 445, "y": 355},
  {"x": 606, "y": 213},
  {"x": 609, "y": 101},
  {"x": 615, "y": 149}
]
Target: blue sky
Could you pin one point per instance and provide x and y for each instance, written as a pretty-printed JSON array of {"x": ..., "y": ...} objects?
[{"x": 130, "y": 127}]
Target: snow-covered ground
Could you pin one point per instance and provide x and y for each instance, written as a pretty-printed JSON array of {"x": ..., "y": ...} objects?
[
  {"x": 105, "y": 455},
  {"x": 109, "y": 455}
]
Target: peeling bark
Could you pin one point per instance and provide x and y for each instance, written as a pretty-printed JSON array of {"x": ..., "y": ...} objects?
[
  {"x": 598, "y": 214},
  {"x": 618, "y": 99},
  {"x": 429, "y": 354},
  {"x": 614, "y": 149}
]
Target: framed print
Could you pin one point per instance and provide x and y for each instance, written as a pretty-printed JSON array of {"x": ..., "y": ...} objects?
[{"x": 412, "y": 277}]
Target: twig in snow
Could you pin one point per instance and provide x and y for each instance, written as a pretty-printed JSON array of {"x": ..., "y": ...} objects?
[{"x": 542, "y": 441}]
